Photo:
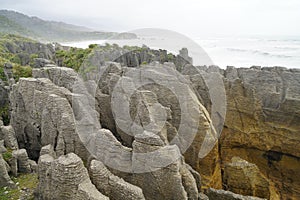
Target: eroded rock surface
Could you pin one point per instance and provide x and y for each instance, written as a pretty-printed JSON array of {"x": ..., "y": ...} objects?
[
  {"x": 262, "y": 123},
  {"x": 42, "y": 115},
  {"x": 7, "y": 133},
  {"x": 47, "y": 108},
  {"x": 5, "y": 180},
  {"x": 23, "y": 161},
  {"x": 244, "y": 178},
  {"x": 65, "y": 178},
  {"x": 226, "y": 195},
  {"x": 261, "y": 126},
  {"x": 112, "y": 186}
]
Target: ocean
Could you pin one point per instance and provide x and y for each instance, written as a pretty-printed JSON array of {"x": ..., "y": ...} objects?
[{"x": 221, "y": 51}]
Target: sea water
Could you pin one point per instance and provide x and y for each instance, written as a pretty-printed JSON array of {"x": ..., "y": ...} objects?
[{"x": 223, "y": 51}]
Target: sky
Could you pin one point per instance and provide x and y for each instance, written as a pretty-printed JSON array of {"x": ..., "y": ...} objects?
[{"x": 189, "y": 17}]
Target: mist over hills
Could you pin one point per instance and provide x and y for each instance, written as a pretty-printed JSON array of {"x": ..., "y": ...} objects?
[{"x": 33, "y": 27}]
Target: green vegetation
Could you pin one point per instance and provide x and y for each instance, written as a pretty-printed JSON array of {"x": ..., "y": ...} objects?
[
  {"x": 135, "y": 48},
  {"x": 2, "y": 75},
  {"x": 7, "y": 155},
  {"x": 33, "y": 27},
  {"x": 170, "y": 57},
  {"x": 4, "y": 114},
  {"x": 8, "y": 42},
  {"x": 28, "y": 181},
  {"x": 21, "y": 71},
  {"x": 8, "y": 45},
  {"x": 9, "y": 26},
  {"x": 74, "y": 57},
  {"x": 91, "y": 46}
]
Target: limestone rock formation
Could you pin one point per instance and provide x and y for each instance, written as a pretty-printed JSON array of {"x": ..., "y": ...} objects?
[
  {"x": 23, "y": 161},
  {"x": 112, "y": 186},
  {"x": 65, "y": 178},
  {"x": 23, "y": 49},
  {"x": 3, "y": 95},
  {"x": 41, "y": 62},
  {"x": 164, "y": 96},
  {"x": 184, "y": 53},
  {"x": 244, "y": 178},
  {"x": 8, "y": 134},
  {"x": 262, "y": 123},
  {"x": 158, "y": 182},
  {"x": 2, "y": 147},
  {"x": 226, "y": 195},
  {"x": 4, "y": 177},
  {"x": 48, "y": 149},
  {"x": 42, "y": 115},
  {"x": 45, "y": 112},
  {"x": 261, "y": 126}
]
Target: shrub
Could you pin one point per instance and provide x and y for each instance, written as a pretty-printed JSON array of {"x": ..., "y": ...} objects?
[
  {"x": 21, "y": 71},
  {"x": 91, "y": 46}
]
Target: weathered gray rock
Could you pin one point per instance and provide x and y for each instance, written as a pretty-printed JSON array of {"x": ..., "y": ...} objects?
[
  {"x": 2, "y": 147},
  {"x": 23, "y": 160},
  {"x": 227, "y": 195},
  {"x": 184, "y": 53},
  {"x": 9, "y": 136},
  {"x": 23, "y": 49},
  {"x": 4, "y": 99},
  {"x": 13, "y": 163},
  {"x": 65, "y": 178},
  {"x": 60, "y": 76},
  {"x": 4, "y": 177},
  {"x": 41, "y": 62},
  {"x": 48, "y": 109},
  {"x": 33, "y": 166},
  {"x": 42, "y": 114},
  {"x": 203, "y": 197},
  {"x": 142, "y": 112},
  {"x": 158, "y": 182},
  {"x": 48, "y": 149},
  {"x": 112, "y": 186}
]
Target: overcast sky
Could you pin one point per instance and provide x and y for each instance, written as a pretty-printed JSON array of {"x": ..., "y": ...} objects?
[{"x": 190, "y": 17}]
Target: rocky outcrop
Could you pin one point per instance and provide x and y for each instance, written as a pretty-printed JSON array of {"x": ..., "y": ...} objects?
[
  {"x": 262, "y": 123},
  {"x": 7, "y": 133},
  {"x": 23, "y": 48},
  {"x": 41, "y": 62},
  {"x": 112, "y": 186},
  {"x": 44, "y": 112},
  {"x": 3, "y": 94},
  {"x": 159, "y": 181},
  {"x": 65, "y": 178},
  {"x": 244, "y": 178},
  {"x": 226, "y": 195},
  {"x": 4, "y": 177},
  {"x": 133, "y": 57},
  {"x": 2, "y": 147},
  {"x": 42, "y": 115},
  {"x": 23, "y": 161},
  {"x": 262, "y": 119},
  {"x": 5, "y": 168},
  {"x": 184, "y": 53}
]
